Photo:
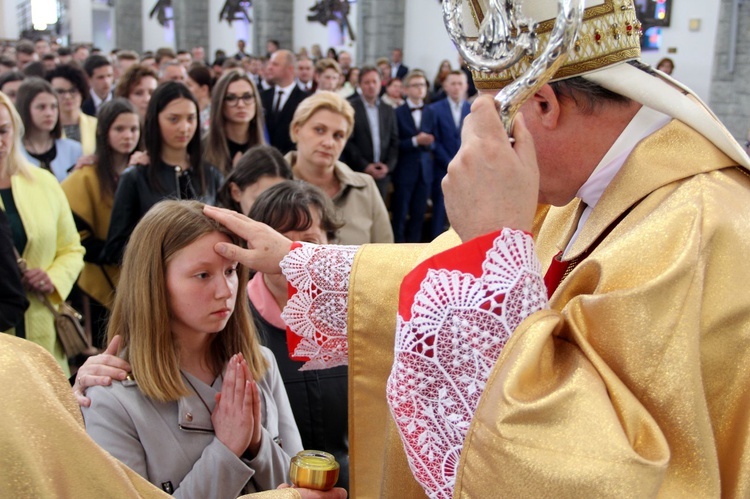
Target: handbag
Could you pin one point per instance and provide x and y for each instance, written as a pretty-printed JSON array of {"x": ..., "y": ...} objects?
[{"x": 68, "y": 326}]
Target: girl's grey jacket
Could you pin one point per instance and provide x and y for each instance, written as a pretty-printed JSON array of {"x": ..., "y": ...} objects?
[{"x": 173, "y": 444}]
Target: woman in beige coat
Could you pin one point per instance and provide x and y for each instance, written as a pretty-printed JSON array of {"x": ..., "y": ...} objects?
[{"x": 320, "y": 128}]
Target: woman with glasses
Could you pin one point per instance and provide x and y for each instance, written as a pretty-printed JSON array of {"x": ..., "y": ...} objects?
[
  {"x": 44, "y": 146},
  {"x": 176, "y": 170},
  {"x": 69, "y": 83},
  {"x": 236, "y": 120}
]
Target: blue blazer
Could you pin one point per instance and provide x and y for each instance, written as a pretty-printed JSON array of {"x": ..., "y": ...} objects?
[
  {"x": 447, "y": 136},
  {"x": 68, "y": 152},
  {"x": 413, "y": 162}
]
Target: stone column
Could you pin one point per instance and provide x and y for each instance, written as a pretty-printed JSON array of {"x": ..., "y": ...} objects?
[
  {"x": 129, "y": 29},
  {"x": 272, "y": 19},
  {"x": 381, "y": 29},
  {"x": 190, "y": 23},
  {"x": 730, "y": 94}
]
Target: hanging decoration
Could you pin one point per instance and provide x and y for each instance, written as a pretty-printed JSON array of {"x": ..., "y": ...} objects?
[
  {"x": 337, "y": 11},
  {"x": 163, "y": 12},
  {"x": 236, "y": 10}
]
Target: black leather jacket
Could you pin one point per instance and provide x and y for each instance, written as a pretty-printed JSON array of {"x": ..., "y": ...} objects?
[{"x": 135, "y": 196}]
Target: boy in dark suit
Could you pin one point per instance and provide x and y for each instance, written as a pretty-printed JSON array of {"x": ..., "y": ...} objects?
[
  {"x": 412, "y": 178},
  {"x": 101, "y": 77},
  {"x": 448, "y": 117}
]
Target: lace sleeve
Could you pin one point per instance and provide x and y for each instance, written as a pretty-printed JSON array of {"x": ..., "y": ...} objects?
[
  {"x": 449, "y": 337},
  {"x": 317, "y": 309}
]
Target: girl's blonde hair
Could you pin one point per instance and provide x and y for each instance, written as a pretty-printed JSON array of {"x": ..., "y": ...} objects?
[
  {"x": 17, "y": 163},
  {"x": 141, "y": 315},
  {"x": 328, "y": 101}
]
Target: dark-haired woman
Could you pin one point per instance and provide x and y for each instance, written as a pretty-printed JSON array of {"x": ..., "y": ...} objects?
[
  {"x": 137, "y": 85},
  {"x": 236, "y": 120},
  {"x": 44, "y": 146},
  {"x": 200, "y": 82},
  {"x": 91, "y": 191},
  {"x": 69, "y": 83},
  {"x": 9, "y": 83},
  {"x": 258, "y": 169},
  {"x": 318, "y": 398},
  {"x": 176, "y": 170}
]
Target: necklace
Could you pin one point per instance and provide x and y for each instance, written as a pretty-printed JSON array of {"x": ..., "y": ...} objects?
[
  {"x": 34, "y": 149},
  {"x": 196, "y": 391}
]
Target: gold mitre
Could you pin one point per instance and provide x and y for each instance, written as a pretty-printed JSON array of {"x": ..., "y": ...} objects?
[{"x": 609, "y": 34}]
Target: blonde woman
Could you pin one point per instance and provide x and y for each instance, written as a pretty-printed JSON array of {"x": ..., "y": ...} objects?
[
  {"x": 236, "y": 122},
  {"x": 321, "y": 126},
  {"x": 43, "y": 233},
  {"x": 206, "y": 412}
]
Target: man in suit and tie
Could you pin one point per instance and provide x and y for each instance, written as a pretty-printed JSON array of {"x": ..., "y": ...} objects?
[
  {"x": 305, "y": 73},
  {"x": 412, "y": 179},
  {"x": 398, "y": 70},
  {"x": 448, "y": 117},
  {"x": 373, "y": 146},
  {"x": 281, "y": 100},
  {"x": 101, "y": 77}
]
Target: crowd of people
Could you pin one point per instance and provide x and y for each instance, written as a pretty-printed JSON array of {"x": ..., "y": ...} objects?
[
  {"x": 464, "y": 368},
  {"x": 94, "y": 145}
]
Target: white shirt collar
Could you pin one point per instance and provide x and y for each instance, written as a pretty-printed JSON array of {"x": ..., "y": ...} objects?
[
  {"x": 287, "y": 90},
  {"x": 645, "y": 122},
  {"x": 98, "y": 101},
  {"x": 412, "y": 105}
]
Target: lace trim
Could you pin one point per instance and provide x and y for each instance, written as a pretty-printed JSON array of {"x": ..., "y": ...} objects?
[
  {"x": 444, "y": 354},
  {"x": 317, "y": 311}
]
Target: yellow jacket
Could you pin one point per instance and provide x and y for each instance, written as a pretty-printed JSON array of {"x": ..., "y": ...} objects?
[
  {"x": 88, "y": 133},
  {"x": 633, "y": 384},
  {"x": 87, "y": 124},
  {"x": 53, "y": 245},
  {"x": 91, "y": 208}
]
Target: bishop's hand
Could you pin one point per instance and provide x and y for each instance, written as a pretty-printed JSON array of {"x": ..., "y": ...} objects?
[
  {"x": 491, "y": 183},
  {"x": 265, "y": 247}
]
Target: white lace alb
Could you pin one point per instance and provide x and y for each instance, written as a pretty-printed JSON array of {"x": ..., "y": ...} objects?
[
  {"x": 445, "y": 352},
  {"x": 317, "y": 312}
]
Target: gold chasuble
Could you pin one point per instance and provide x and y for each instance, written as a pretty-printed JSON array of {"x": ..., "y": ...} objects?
[{"x": 633, "y": 384}]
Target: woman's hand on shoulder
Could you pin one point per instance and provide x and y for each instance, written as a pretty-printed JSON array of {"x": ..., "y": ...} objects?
[
  {"x": 100, "y": 370},
  {"x": 139, "y": 158},
  {"x": 85, "y": 160},
  {"x": 236, "y": 417},
  {"x": 265, "y": 247}
]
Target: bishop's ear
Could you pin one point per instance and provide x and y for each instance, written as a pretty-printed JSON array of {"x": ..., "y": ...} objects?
[{"x": 544, "y": 107}]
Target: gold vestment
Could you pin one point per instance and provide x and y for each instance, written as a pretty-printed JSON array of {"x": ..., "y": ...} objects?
[{"x": 633, "y": 383}]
